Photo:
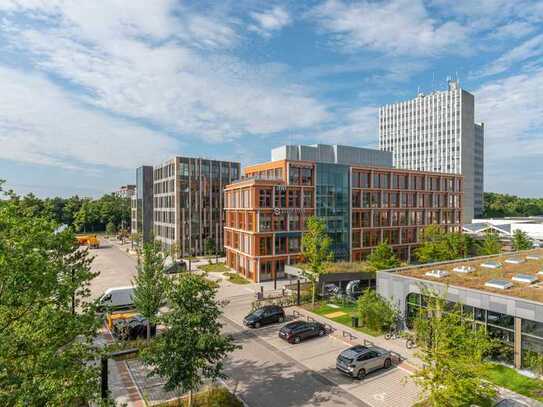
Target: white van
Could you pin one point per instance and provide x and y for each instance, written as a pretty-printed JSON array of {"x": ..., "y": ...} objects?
[{"x": 116, "y": 298}]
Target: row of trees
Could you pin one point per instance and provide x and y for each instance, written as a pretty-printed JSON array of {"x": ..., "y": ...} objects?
[
  {"x": 85, "y": 214},
  {"x": 501, "y": 205},
  {"x": 49, "y": 324}
]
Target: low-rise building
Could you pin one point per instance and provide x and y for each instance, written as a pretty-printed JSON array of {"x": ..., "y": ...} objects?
[
  {"x": 362, "y": 205},
  {"x": 502, "y": 293},
  {"x": 126, "y": 191}
]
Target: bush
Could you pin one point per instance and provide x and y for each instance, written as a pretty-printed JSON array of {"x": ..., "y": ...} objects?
[
  {"x": 217, "y": 397},
  {"x": 376, "y": 313}
]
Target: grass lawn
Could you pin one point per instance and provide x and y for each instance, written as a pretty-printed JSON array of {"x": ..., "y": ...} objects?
[
  {"x": 216, "y": 268},
  {"x": 510, "y": 379},
  {"x": 236, "y": 278},
  {"x": 349, "y": 310}
]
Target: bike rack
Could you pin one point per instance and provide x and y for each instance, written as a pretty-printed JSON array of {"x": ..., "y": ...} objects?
[
  {"x": 347, "y": 334},
  {"x": 296, "y": 314}
]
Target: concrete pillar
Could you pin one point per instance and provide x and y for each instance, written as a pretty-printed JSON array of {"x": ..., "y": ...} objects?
[{"x": 518, "y": 342}]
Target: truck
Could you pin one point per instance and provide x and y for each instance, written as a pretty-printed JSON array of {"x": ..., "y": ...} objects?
[
  {"x": 88, "y": 240},
  {"x": 116, "y": 299}
]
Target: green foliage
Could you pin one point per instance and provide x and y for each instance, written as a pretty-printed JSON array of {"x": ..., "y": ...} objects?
[
  {"x": 316, "y": 251},
  {"x": 192, "y": 348},
  {"x": 47, "y": 323},
  {"x": 236, "y": 278},
  {"x": 534, "y": 361},
  {"x": 111, "y": 229},
  {"x": 502, "y": 205},
  {"x": 521, "y": 241},
  {"x": 376, "y": 312},
  {"x": 86, "y": 214},
  {"x": 511, "y": 379},
  {"x": 383, "y": 257},
  {"x": 490, "y": 244},
  {"x": 209, "y": 247},
  {"x": 150, "y": 283},
  {"x": 452, "y": 355},
  {"x": 438, "y": 245}
]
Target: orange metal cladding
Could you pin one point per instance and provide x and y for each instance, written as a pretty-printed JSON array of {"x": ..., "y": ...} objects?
[{"x": 266, "y": 212}]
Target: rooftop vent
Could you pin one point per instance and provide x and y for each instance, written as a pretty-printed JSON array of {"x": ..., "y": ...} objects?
[
  {"x": 524, "y": 278},
  {"x": 533, "y": 257},
  {"x": 499, "y": 284},
  {"x": 436, "y": 273},
  {"x": 515, "y": 260},
  {"x": 491, "y": 265},
  {"x": 464, "y": 269}
]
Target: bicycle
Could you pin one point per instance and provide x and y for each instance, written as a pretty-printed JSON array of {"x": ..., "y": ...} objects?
[
  {"x": 410, "y": 342},
  {"x": 393, "y": 334}
]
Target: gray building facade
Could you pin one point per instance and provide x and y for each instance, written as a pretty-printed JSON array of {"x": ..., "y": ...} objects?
[
  {"x": 437, "y": 132},
  {"x": 142, "y": 203},
  {"x": 189, "y": 203}
]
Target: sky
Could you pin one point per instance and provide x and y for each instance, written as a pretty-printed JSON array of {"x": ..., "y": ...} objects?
[{"x": 89, "y": 90}]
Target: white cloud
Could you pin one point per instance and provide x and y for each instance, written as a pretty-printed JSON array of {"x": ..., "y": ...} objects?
[
  {"x": 161, "y": 71},
  {"x": 41, "y": 124},
  {"x": 400, "y": 27},
  {"x": 358, "y": 128},
  {"x": 523, "y": 52},
  {"x": 270, "y": 21},
  {"x": 514, "y": 29},
  {"x": 513, "y": 114}
]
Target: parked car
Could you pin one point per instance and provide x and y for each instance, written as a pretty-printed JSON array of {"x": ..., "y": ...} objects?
[
  {"x": 132, "y": 328},
  {"x": 268, "y": 314},
  {"x": 359, "y": 360},
  {"x": 297, "y": 331},
  {"x": 116, "y": 298}
]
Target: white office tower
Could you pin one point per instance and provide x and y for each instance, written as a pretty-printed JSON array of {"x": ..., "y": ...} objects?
[{"x": 437, "y": 132}]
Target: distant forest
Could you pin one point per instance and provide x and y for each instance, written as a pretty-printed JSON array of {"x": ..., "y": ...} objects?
[
  {"x": 503, "y": 205},
  {"x": 85, "y": 214}
]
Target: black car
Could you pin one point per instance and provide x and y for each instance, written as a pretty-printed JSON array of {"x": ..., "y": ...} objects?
[
  {"x": 297, "y": 331},
  {"x": 132, "y": 328},
  {"x": 269, "y": 314}
]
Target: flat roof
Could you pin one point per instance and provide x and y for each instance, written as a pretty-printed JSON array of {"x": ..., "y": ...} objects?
[{"x": 480, "y": 275}]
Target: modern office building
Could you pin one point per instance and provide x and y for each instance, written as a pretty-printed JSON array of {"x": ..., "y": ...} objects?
[
  {"x": 362, "y": 205},
  {"x": 503, "y": 294},
  {"x": 142, "y": 203},
  {"x": 188, "y": 203},
  {"x": 437, "y": 132}
]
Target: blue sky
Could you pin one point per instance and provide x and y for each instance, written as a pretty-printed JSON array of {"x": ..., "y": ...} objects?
[{"x": 92, "y": 89}]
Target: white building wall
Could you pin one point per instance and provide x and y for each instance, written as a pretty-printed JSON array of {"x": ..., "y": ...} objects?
[{"x": 434, "y": 132}]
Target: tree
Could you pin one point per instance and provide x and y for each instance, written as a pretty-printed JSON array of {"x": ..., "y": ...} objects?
[
  {"x": 209, "y": 247},
  {"x": 452, "y": 354},
  {"x": 111, "y": 229},
  {"x": 47, "y": 323},
  {"x": 520, "y": 241},
  {"x": 192, "y": 348},
  {"x": 135, "y": 237},
  {"x": 375, "y": 311},
  {"x": 149, "y": 284},
  {"x": 490, "y": 244},
  {"x": 502, "y": 205},
  {"x": 438, "y": 245},
  {"x": 316, "y": 251},
  {"x": 383, "y": 257}
]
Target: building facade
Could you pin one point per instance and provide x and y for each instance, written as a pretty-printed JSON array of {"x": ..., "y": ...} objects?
[
  {"x": 126, "y": 191},
  {"x": 142, "y": 203},
  {"x": 512, "y": 314},
  {"x": 437, "y": 132},
  {"x": 188, "y": 203},
  {"x": 362, "y": 206}
]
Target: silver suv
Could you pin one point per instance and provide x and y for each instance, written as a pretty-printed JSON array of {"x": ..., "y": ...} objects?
[{"x": 359, "y": 360}]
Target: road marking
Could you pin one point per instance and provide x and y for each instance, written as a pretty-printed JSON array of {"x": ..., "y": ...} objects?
[{"x": 380, "y": 396}]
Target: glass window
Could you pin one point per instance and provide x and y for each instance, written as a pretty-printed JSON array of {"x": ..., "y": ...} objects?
[
  {"x": 503, "y": 320},
  {"x": 265, "y": 198},
  {"x": 467, "y": 311},
  {"x": 480, "y": 314},
  {"x": 294, "y": 198},
  {"x": 532, "y": 327},
  {"x": 308, "y": 199},
  {"x": 294, "y": 175},
  {"x": 413, "y": 298},
  {"x": 280, "y": 198}
]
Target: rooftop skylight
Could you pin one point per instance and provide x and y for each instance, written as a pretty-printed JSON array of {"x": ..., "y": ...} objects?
[
  {"x": 498, "y": 284},
  {"x": 491, "y": 265},
  {"x": 524, "y": 278},
  {"x": 464, "y": 269},
  {"x": 436, "y": 273},
  {"x": 515, "y": 260}
]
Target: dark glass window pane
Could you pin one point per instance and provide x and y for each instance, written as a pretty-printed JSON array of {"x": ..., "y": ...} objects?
[
  {"x": 413, "y": 298},
  {"x": 480, "y": 314},
  {"x": 467, "y": 310},
  {"x": 503, "y": 320},
  {"x": 532, "y": 328}
]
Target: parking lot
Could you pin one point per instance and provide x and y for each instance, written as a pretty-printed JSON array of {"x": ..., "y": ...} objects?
[
  {"x": 391, "y": 387},
  {"x": 268, "y": 371}
]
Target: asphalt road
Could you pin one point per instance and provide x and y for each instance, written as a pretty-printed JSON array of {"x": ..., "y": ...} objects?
[{"x": 264, "y": 376}]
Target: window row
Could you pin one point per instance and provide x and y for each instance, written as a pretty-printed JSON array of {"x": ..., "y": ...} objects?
[
  {"x": 379, "y": 199},
  {"x": 366, "y": 219},
  {"x": 283, "y": 198}
]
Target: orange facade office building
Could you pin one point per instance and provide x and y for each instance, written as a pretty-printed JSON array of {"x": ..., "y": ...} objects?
[{"x": 362, "y": 206}]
